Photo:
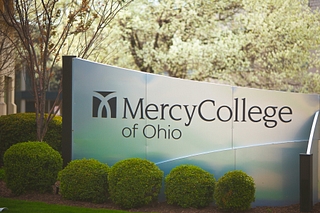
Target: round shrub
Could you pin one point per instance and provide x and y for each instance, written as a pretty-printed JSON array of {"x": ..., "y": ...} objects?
[
  {"x": 134, "y": 182},
  {"x": 84, "y": 180},
  {"x": 235, "y": 191},
  {"x": 189, "y": 186},
  {"x": 1, "y": 174},
  {"x": 22, "y": 127},
  {"x": 31, "y": 166}
]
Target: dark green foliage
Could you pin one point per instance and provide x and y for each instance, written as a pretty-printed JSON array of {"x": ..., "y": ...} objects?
[
  {"x": 189, "y": 186},
  {"x": 84, "y": 180},
  {"x": 134, "y": 182},
  {"x": 1, "y": 173},
  {"x": 53, "y": 136},
  {"x": 31, "y": 166},
  {"x": 235, "y": 191},
  {"x": 22, "y": 127}
]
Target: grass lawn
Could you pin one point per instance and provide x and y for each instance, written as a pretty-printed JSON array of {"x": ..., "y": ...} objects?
[{"x": 40, "y": 207}]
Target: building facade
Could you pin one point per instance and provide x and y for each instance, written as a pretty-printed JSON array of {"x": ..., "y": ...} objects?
[
  {"x": 23, "y": 92},
  {"x": 7, "y": 72},
  {"x": 314, "y": 4}
]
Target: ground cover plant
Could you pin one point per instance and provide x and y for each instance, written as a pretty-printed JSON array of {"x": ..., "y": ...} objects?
[
  {"x": 6, "y": 198},
  {"x": 23, "y": 206}
]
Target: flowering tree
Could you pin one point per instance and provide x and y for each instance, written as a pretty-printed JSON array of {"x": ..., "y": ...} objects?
[
  {"x": 281, "y": 45},
  {"x": 269, "y": 44},
  {"x": 41, "y": 30}
]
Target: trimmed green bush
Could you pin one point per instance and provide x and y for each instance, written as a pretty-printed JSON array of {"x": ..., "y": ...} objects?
[
  {"x": 84, "y": 180},
  {"x": 189, "y": 186},
  {"x": 134, "y": 182},
  {"x": 21, "y": 127},
  {"x": 31, "y": 166},
  {"x": 1, "y": 173},
  {"x": 235, "y": 191}
]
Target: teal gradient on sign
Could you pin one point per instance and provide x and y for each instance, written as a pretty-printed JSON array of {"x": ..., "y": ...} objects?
[{"x": 173, "y": 121}]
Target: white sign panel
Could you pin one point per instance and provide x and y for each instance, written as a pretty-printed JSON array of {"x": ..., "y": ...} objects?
[{"x": 119, "y": 114}]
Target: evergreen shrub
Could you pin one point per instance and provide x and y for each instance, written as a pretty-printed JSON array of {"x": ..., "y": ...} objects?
[
  {"x": 22, "y": 127},
  {"x": 31, "y": 166},
  {"x": 134, "y": 182},
  {"x": 1, "y": 173},
  {"x": 84, "y": 180},
  {"x": 189, "y": 186},
  {"x": 235, "y": 191}
]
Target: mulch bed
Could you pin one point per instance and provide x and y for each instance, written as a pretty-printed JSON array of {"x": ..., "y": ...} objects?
[{"x": 162, "y": 207}]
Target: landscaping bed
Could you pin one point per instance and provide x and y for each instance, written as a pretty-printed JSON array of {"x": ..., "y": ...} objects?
[{"x": 162, "y": 207}]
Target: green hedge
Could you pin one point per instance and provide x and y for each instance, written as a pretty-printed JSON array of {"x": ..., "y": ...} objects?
[
  {"x": 134, "y": 182},
  {"x": 31, "y": 166},
  {"x": 84, "y": 180},
  {"x": 189, "y": 186},
  {"x": 235, "y": 191},
  {"x": 22, "y": 127},
  {"x": 1, "y": 174}
]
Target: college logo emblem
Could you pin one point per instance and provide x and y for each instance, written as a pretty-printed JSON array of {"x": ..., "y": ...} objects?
[{"x": 104, "y": 104}]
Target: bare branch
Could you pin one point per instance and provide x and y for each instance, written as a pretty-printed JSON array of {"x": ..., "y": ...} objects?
[{"x": 45, "y": 29}]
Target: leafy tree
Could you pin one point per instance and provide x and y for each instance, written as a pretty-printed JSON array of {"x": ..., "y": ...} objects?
[
  {"x": 282, "y": 42},
  {"x": 267, "y": 44},
  {"x": 173, "y": 36},
  {"x": 44, "y": 29}
]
